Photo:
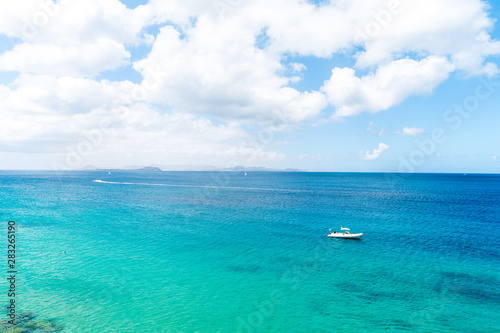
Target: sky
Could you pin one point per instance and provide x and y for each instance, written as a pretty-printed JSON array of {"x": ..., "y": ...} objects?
[{"x": 347, "y": 85}]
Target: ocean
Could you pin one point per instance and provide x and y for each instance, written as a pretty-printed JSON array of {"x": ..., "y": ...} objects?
[{"x": 145, "y": 251}]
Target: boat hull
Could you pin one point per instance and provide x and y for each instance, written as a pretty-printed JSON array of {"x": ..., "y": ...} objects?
[{"x": 339, "y": 235}]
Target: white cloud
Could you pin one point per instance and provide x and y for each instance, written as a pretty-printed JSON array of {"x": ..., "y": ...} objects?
[
  {"x": 297, "y": 68},
  {"x": 44, "y": 94},
  {"x": 73, "y": 38},
  {"x": 494, "y": 157},
  {"x": 218, "y": 71},
  {"x": 374, "y": 129},
  {"x": 73, "y": 21},
  {"x": 72, "y": 60},
  {"x": 410, "y": 131},
  {"x": 389, "y": 86},
  {"x": 222, "y": 72},
  {"x": 47, "y": 115},
  {"x": 457, "y": 29},
  {"x": 376, "y": 152}
]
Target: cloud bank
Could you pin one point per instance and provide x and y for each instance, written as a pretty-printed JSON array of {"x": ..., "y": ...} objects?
[{"x": 210, "y": 71}]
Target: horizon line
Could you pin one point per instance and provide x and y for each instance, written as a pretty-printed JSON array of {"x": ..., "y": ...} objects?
[{"x": 261, "y": 171}]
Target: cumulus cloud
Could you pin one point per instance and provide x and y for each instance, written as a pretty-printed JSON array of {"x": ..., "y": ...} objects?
[
  {"x": 457, "y": 30},
  {"x": 217, "y": 69},
  {"x": 73, "y": 38},
  {"x": 45, "y": 94},
  {"x": 134, "y": 133},
  {"x": 60, "y": 116},
  {"x": 387, "y": 87},
  {"x": 220, "y": 65},
  {"x": 73, "y": 21},
  {"x": 71, "y": 60},
  {"x": 410, "y": 131},
  {"x": 373, "y": 155},
  {"x": 202, "y": 75}
]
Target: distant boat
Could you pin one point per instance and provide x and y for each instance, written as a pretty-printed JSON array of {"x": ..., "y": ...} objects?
[
  {"x": 246, "y": 173},
  {"x": 109, "y": 173},
  {"x": 345, "y": 234}
]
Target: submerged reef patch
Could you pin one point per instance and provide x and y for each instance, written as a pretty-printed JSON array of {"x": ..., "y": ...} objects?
[{"x": 26, "y": 322}]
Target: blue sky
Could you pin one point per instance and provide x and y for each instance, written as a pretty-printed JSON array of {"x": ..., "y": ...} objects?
[{"x": 323, "y": 86}]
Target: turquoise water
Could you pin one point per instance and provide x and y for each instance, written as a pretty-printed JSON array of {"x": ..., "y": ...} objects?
[{"x": 224, "y": 252}]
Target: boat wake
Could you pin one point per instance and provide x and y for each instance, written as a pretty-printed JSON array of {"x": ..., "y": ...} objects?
[{"x": 202, "y": 186}]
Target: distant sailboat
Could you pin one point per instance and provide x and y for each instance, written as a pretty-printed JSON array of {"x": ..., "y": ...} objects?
[
  {"x": 246, "y": 173},
  {"x": 109, "y": 173}
]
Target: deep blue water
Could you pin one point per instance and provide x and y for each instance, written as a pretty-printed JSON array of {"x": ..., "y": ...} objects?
[{"x": 225, "y": 252}]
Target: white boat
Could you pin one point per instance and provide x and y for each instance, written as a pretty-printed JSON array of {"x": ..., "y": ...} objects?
[{"x": 345, "y": 234}]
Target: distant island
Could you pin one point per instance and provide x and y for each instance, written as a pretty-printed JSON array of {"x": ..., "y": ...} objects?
[
  {"x": 159, "y": 168},
  {"x": 146, "y": 168}
]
